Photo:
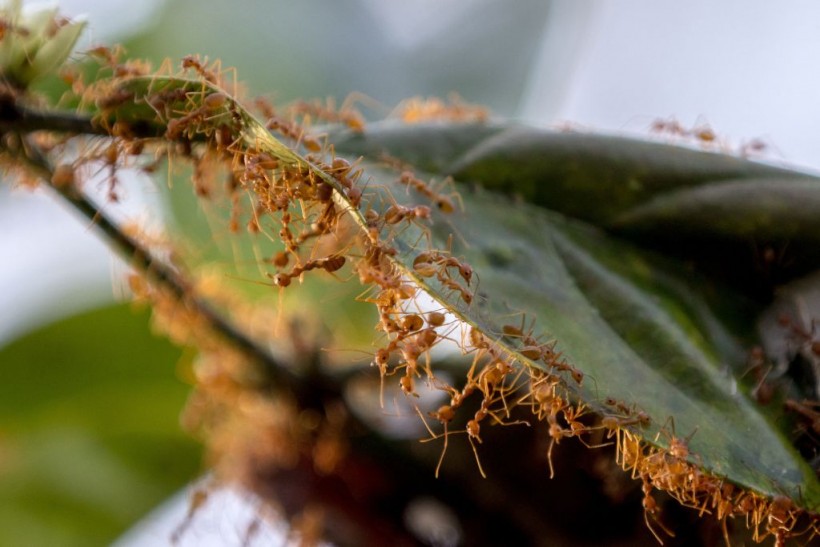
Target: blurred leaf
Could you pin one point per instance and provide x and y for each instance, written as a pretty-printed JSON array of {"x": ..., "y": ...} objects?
[{"x": 89, "y": 434}]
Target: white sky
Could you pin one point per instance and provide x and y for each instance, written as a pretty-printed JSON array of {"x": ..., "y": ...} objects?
[{"x": 746, "y": 67}]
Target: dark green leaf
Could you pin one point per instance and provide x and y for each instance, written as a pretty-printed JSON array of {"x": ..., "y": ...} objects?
[{"x": 91, "y": 439}]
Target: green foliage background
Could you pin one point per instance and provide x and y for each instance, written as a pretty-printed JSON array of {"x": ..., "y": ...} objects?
[{"x": 90, "y": 438}]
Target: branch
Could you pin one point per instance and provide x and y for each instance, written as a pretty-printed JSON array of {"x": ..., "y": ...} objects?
[
  {"x": 19, "y": 118},
  {"x": 16, "y": 118}
]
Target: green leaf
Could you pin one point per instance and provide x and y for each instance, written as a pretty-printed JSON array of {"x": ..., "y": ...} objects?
[
  {"x": 640, "y": 331},
  {"x": 643, "y": 328},
  {"x": 90, "y": 438},
  {"x": 36, "y": 44}
]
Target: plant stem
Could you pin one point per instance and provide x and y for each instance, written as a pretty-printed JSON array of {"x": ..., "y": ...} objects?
[
  {"x": 16, "y": 118},
  {"x": 19, "y": 118}
]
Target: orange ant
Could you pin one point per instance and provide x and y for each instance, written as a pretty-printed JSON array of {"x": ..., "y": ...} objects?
[
  {"x": 261, "y": 161},
  {"x": 280, "y": 259},
  {"x": 193, "y": 62},
  {"x": 464, "y": 269},
  {"x": 489, "y": 382},
  {"x": 477, "y": 339},
  {"x": 466, "y": 295},
  {"x": 342, "y": 170},
  {"x": 553, "y": 360},
  {"x": 330, "y": 264},
  {"x": 109, "y": 58},
  {"x": 294, "y": 132},
  {"x": 424, "y": 265},
  {"x": 417, "y": 109},
  {"x": 436, "y": 319},
  {"x": 323, "y": 224},
  {"x": 408, "y": 334},
  {"x": 632, "y": 416},
  {"x": 386, "y": 278},
  {"x": 556, "y": 433},
  {"x": 398, "y": 213},
  {"x": 162, "y": 102},
  {"x": 611, "y": 401},
  {"x": 705, "y": 134},
  {"x": 753, "y": 147},
  {"x": 444, "y": 203},
  {"x": 723, "y": 502},
  {"x": 411, "y": 323},
  {"x": 411, "y": 349},
  {"x": 544, "y": 396},
  {"x": 571, "y": 414},
  {"x": 286, "y": 235},
  {"x": 532, "y": 348},
  {"x": 211, "y": 103},
  {"x": 265, "y": 108},
  {"x": 535, "y": 350},
  {"x": 781, "y": 518},
  {"x": 381, "y": 359},
  {"x": 490, "y": 379},
  {"x": 678, "y": 448},
  {"x": 613, "y": 423},
  {"x": 650, "y": 507},
  {"x": 445, "y": 414},
  {"x": 351, "y": 117},
  {"x": 670, "y": 126}
]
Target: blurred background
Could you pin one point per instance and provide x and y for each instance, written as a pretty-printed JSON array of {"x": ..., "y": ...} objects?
[{"x": 744, "y": 68}]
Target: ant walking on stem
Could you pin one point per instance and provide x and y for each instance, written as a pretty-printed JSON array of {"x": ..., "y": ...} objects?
[{"x": 702, "y": 133}]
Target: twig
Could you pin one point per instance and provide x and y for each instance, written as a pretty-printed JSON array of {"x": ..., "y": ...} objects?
[{"x": 19, "y": 118}]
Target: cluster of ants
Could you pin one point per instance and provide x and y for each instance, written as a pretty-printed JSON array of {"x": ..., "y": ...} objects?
[
  {"x": 669, "y": 470},
  {"x": 455, "y": 109},
  {"x": 279, "y": 189},
  {"x": 307, "y": 204},
  {"x": 706, "y": 137}
]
